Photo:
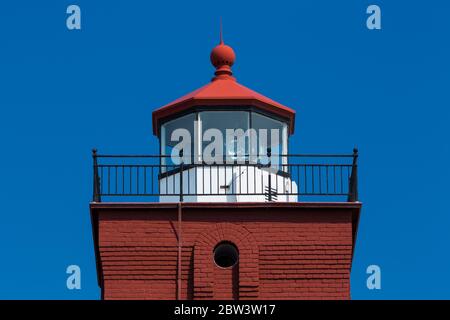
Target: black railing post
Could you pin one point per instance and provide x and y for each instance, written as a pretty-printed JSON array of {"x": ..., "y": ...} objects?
[
  {"x": 269, "y": 156},
  {"x": 181, "y": 175},
  {"x": 96, "y": 188},
  {"x": 353, "y": 183}
]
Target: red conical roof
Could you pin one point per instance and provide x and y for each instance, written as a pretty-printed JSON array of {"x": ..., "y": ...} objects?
[{"x": 223, "y": 90}]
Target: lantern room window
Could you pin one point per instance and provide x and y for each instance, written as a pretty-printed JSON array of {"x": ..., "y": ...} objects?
[
  {"x": 269, "y": 133},
  {"x": 262, "y": 124},
  {"x": 167, "y": 144},
  {"x": 223, "y": 120},
  {"x": 278, "y": 142}
]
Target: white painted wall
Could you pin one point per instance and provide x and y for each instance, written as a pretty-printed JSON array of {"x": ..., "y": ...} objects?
[{"x": 218, "y": 183}]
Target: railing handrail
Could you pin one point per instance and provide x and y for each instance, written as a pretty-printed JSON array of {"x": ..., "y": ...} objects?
[{"x": 305, "y": 155}]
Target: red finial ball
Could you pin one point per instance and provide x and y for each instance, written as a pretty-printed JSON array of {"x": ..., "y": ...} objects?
[{"x": 222, "y": 55}]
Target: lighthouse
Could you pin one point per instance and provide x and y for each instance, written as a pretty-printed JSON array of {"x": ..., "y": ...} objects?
[{"x": 226, "y": 210}]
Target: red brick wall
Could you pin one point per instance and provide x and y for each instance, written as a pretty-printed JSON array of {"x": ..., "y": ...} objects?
[
  {"x": 284, "y": 252},
  {"x": 226, "y": 281}
]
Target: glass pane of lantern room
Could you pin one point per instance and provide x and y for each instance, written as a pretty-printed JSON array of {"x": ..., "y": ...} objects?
[
  {"x": 168, "y": 144},
  {"x": 271, "y": 134},
  {"x": 223, "y": 120}
]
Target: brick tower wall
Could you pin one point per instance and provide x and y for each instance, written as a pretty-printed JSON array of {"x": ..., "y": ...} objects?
[{"x": 285, "y": 252}]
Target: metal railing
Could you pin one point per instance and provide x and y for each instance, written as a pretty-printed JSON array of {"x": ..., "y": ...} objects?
[{"x": 318, "y": 176}]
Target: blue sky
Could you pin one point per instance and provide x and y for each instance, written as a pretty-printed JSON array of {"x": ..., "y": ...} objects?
[{"x": 64, "y": 92}]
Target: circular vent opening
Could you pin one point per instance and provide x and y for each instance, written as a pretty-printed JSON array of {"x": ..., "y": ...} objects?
[{"x": 226, "y": 255}]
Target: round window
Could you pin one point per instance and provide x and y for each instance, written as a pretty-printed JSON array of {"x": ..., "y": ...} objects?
[{"x": 226, "y": 255}]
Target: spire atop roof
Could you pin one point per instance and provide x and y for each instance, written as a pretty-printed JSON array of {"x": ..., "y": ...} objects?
[
  {"x": 221, "y": 31},
  {"x": 222, "y": 58}
]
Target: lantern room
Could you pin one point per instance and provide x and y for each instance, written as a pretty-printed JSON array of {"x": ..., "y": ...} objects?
[{"x": 240, "y": 134}]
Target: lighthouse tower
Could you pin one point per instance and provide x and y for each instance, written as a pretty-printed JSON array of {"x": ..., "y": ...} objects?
[{"x": 226, "y": 210}]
